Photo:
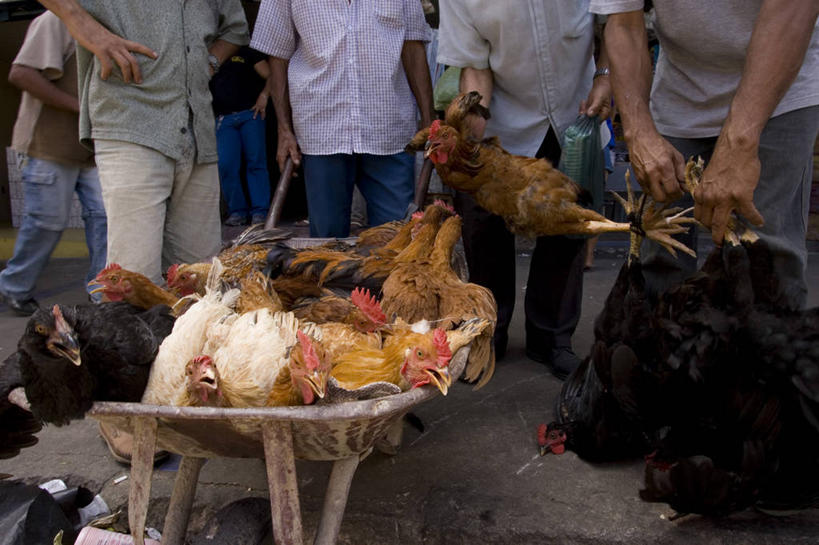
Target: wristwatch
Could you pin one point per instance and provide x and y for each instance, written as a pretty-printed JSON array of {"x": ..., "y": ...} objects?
[
  {"x": 601, "y": 72},
  {"x": 214, "y": 63}
]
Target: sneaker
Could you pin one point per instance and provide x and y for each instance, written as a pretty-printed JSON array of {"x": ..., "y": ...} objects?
[
  {"x": 258, "y": 218},
  {"x": 236, "y": 219},
  {"x": 21, "y": 307},
  {"x": 121, "y": 444}
]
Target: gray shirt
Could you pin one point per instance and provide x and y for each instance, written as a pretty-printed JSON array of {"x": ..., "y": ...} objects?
[
  {"x": 702, "y": 54},
  {"x": 540, "y": 54},
  {"x": 155, "y": 113}
]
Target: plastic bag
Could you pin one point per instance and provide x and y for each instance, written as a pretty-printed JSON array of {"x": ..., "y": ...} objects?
[
  {"x": 446, "y": 88},
  {"x": 581, "y": 158}
]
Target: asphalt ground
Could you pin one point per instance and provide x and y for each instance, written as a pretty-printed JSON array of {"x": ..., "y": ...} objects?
[{"x": 473, "y": 475}]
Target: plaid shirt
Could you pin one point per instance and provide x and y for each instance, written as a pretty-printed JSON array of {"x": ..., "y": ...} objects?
[{"x": 348, "y": 89}]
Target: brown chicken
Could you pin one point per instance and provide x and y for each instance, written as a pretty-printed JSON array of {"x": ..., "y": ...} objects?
[
  {"x": 255, "y": 292},
  {"x": 361, "y": 311},
  {"x": 305, "y": 378},
  {"x": 427, "y": 288},
  {"x": 533, "y": 197},
  {"x": 407, "y": 359},
  {"x": 118, "y": 284}
]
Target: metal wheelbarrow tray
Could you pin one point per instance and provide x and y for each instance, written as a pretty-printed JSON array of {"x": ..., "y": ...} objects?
[{"x": 343, "y": 433}]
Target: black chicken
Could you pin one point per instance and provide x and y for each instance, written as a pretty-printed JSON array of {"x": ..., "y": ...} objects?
[
  {"x": 19, "y": 426},
  {"x": 72, "y": 356}
]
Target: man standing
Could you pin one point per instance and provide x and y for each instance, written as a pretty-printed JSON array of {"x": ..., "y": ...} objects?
[
  {"x": 53, "y": 162},
  {"x": 154, "y": 139},
  {"x": 343, "y": 78},
  {"x": 534, "y": 66},
  {"x": 738, "y": 84}
]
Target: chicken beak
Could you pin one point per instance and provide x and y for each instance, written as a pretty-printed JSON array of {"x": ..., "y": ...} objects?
[
  {"x": 65, "y": 344},
  {"x": 440, "y": 377},
  {"x": 317, "y": 383}
]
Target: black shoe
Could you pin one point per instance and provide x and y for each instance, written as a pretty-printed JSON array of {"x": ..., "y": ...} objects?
[
  {"x": 561, "y": 361},
  {"x": 258, "y": 218},
  {"x": 500, "y": 340},
  {"x": 24, "y": 307},
  {"x": 236, "y": 219}
]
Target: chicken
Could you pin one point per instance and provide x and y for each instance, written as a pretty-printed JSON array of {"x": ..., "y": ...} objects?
[
  {"x": 426, "y": 288},
  {"x": 188, "y": 339},
  {"x": 533, "y": 197},
  {"x": 18, "y": 427},
  {"x": 304, "y": 379},
  {"x": 71, "y": 357},
  {"x": 203, "y": 386},
  {"x": 254, "y": 352},
  {"x": 255, "y": 292},
  {"x": 408, "y": 359},
  {"x": 118, "y": 284},
  {"x": 246, "y": 253}
]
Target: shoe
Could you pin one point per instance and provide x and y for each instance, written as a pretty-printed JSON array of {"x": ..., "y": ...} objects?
[
  {"x": 121, "y": 444},
  {"x": 21, "y": 307},
  {"x": 561, "y": 361},
  {"x": 236, "y": 219},
  {"x": 258, "y": 218}
]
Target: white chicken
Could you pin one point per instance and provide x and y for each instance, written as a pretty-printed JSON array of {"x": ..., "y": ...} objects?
[{"x": 187, "y": 340}]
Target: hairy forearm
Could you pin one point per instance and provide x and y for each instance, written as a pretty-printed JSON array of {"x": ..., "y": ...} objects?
[
  {"x": 780, "y": 38},
  {"x": 414, "y": 60},
  {"x": 626, "y": 52},
  {"x": 80, "y": 24},
  {"x": 279, "y": 92},
  {"x": 480, "y": 80},
  {"x": 32, "y": 81}
]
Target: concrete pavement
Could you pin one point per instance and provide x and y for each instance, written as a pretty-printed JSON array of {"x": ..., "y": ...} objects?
[{"x": 473, "y": 476}]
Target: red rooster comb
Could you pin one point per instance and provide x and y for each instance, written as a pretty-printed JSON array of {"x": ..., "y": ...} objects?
[
  {"x": 418, "y": 215},
  {"x": 110, "y": 268},
  {"x": 435, "y": 127},
  {"x": 541, "y": 435},
  {"x": 202, "y": 359},
  {"x": 311, "y": 360},
  {"x": 368, "y": 305},
  {"x": 171, "y": 274},
  {"x": 442, "y": 347}
]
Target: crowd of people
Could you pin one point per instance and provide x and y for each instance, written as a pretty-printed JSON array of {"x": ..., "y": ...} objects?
[{"x": 173, "y": 102}]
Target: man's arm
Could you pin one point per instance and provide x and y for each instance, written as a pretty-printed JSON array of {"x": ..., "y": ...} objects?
[
  {"x": 781, "y": 37},
  {"x": 599, "y": 100},
  {"x": 659, "y": 167},
  {"x": 279, "y": 91},
  {"x": 482, "y": 81},
  {"x": 414, "y": 60},
  {"x": 222, "y": 50},
  {"x": 34, "y": 82},
  {"x": 105, "y": 45},
  {"x": 263, "y": 70}
]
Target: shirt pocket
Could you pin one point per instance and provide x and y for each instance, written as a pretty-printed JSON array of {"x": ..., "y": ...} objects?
[
  {"x": 40, "y": 195},
  {"x": 390, "y": 13}
]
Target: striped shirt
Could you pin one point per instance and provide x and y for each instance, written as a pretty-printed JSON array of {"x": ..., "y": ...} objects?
[{"x": 348, "y": 89}]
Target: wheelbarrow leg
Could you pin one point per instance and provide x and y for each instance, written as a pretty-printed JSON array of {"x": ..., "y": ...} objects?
[
  {"x": 179, "y": 508},
  {"x": 142, "y": 467},
  {"x": 335, "y": 500},
  {"x": 282, "y": 483}
]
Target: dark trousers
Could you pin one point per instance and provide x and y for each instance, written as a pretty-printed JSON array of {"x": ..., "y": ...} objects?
[{"x": 554, "y": 290}]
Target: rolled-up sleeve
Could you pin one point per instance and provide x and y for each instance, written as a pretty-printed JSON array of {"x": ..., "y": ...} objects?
[
  {"x": 275, "y": 33},
  {"x": 607, "y": 7},
  {"x": 459, "y": 43},
  {"x": 232, "y": 23},
  {"x": 417, "y": 27}
]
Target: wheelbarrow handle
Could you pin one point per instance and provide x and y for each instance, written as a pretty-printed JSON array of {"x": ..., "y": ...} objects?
[
  {"x": 422, "y": 186},
  {"x": 275, "y": 212}
]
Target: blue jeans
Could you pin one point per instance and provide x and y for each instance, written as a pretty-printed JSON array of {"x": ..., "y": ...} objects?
[
  {"x": 386, "y": 181},
  {"x": 47, "y": 191},
  {"x": 239, "y": 135}
]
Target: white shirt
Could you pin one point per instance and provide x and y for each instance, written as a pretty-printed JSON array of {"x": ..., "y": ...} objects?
[
  {"x": 702, "y": 54},
  {"x": 348, "y": 89},
  {"x": 541, "y": 56}
]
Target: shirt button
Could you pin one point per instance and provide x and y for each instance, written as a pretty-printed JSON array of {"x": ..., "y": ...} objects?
[
  {"x": 188, "y": 49},
  {"x": 183, "y": 130}
]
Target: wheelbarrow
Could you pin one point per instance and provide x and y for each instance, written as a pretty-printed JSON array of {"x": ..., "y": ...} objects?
[{"x": 342, "y": 433}]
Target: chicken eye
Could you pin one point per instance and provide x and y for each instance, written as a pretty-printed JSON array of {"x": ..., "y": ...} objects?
[
  {"x": 419, "y": 354},
  {"x": 40, "y": 329}
]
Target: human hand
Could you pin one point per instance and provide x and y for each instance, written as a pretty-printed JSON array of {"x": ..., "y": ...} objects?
[
  {"x": 658, "y": 166},
  {"x": 108, "y": 47},
  {"x": 598, "y": 103},
  {"x": 728, "y": 184},
  {"x": 288, "y": 147},
  {"x": 261, "y": 105}
]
